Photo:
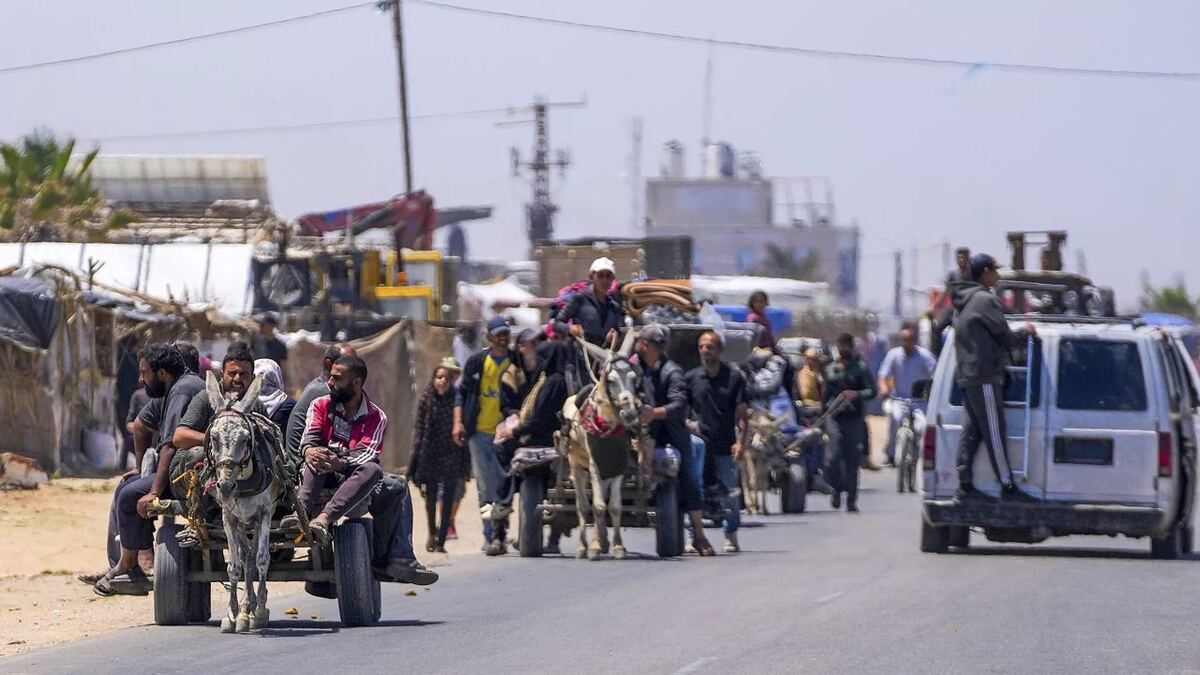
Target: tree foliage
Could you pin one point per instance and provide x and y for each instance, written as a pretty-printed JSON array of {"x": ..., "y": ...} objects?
[
  {"x": 44, "y": 196},
  {"x": 1170, "y": 300},
  {"x": 779, "y": 262}
]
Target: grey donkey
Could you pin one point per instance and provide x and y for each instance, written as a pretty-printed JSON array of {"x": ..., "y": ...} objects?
[{"x": 246, "y": 513}]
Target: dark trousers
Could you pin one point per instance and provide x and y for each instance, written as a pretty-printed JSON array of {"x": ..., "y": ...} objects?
[
  {"x": 112, "y": 542},
  {"x": 391, "y": 509},
  {"x": 354, "y": 485},
  {"x": 136, "y": 532},
  {"x": 847, "y": 447},
  {"x": 984, "y": 405},
  {"x": 443, "y": 493}
]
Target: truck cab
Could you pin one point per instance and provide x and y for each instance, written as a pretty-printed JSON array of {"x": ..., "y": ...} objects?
[{"x": 1101, "y": 421}]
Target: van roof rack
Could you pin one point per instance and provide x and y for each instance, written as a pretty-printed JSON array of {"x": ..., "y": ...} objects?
[{"x": 1073, "y": 318}]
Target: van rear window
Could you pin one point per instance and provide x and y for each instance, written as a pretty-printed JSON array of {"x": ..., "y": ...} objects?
[{"x": 1100, "y": 375}]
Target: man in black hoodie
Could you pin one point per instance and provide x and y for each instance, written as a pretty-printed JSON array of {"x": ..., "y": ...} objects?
[{"x": 982, "y": 340}]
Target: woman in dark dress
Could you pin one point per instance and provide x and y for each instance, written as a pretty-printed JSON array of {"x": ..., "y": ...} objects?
[{"x": 437, "y": 464}]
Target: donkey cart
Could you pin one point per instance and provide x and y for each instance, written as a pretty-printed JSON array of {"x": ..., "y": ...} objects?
[
  {"x": 548, "y": 498},
  {"x": 342, "y": 570}
]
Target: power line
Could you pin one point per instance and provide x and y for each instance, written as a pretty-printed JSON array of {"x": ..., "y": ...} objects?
[
  {"x": 306, "y": 126},
  {"x": 183, "y": 40},
  {"x": 822, "y": 53}
]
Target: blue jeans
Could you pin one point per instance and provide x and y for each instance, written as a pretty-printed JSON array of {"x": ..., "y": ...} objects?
[
  {"x": 696, "y": 465},
  {"x": 727, "y": 473},
  {"x": 491, "y": 481}
]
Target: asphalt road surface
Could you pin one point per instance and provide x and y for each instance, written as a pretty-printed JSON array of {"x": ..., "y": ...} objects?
[{"x": 819, "y": 592}]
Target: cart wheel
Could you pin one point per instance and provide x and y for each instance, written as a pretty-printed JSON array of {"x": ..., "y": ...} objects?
[
  {"x": 357, "y": 587},
  {"x": 793, "y": 489},
  {"x": 533, "y": 493},
  {"x": 171, "y": 603},
  {"x": 668, "y": 521}
]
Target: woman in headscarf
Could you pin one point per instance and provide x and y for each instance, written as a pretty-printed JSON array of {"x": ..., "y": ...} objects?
[
  {"x": 437, "y": 463},
  {"x": 278, "y": 404}
]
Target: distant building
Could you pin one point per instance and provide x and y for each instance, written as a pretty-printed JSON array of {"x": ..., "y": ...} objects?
[{"x": 729, "y": 215}]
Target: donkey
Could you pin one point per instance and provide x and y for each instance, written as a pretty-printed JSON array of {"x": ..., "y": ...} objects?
[
  {"x": 242, "y": 447},
  {"x": 611, "y": 412}
]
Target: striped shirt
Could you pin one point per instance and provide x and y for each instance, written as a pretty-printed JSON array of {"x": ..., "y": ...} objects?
[{"x": 357, "y": 439}]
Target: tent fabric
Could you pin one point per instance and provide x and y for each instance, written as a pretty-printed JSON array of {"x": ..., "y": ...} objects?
[{"x": 29, "y": 311}]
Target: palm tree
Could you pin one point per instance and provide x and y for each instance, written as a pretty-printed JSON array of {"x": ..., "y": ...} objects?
[
  {"x": 44, "y": 196},
  {"x": 779, "y": 262},
  {"x": 1170, "y": 300}
]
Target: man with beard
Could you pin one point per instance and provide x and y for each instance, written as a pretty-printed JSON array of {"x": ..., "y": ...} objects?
[
  {"x": 393, "y": 556},
  {"x": 161, "y": 368},
  {"x": 342, "y": 440},
  {"x": 847, "y": 378},
  {"x": 718, "y": 397}
]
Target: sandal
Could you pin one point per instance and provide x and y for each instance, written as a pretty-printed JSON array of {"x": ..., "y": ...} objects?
[
  {"x": 188, "y": 537},
  {"x": 703, "y": 547},
  {"x": 132, "y": 583},
  {"x": 91, "y": 579},
  {"x": 431, "y": 544}
]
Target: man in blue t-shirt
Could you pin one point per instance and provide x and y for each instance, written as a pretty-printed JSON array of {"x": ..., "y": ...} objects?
[{"x": 901, "y": 369}]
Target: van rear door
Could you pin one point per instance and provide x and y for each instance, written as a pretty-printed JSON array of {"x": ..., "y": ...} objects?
[{"x": 1102, "y": 443}]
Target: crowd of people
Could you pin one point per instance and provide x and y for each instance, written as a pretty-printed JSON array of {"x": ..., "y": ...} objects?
[{"x": 480, "y": 406}]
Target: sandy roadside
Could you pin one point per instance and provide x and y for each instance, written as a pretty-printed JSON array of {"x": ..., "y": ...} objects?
[{"x": 50, "y": 534}]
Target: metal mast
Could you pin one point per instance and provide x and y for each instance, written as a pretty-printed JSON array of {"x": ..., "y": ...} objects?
[{"x": 539, "y": 213}]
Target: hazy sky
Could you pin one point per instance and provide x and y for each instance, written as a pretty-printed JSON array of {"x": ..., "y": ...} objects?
[{"x": 917, "y": 154}]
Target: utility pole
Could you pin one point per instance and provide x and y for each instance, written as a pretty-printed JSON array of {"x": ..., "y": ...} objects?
[
  {"x": 398, "y": 34},
  {"x": 540, "y": 211},
  {"x": 635, "y": 177},
  {"x": 898, "y": 287}
]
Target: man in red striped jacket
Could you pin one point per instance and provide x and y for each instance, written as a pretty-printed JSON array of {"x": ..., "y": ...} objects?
[{"x": 342, "y": 440}]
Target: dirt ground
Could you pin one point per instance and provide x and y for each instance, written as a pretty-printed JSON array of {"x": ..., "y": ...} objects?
[{"x": 49, "y": 535}]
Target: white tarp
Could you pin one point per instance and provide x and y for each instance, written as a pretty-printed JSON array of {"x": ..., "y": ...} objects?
[
  {"x": 217, "y": 274},
  {"x": 477, "y": 301}
]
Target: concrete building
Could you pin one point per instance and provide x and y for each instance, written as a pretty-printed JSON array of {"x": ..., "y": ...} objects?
[{"x": 729, "y": 214}]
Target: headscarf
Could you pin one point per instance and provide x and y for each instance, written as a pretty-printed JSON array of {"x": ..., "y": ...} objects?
[{"x": 272, "y": 395}]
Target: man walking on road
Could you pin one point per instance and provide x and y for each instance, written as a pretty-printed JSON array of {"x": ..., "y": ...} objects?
[
  {"x": 718, "y": 396},
  {"x": 982, "y": 340},
  {"x": 903, "y": 367},
  {"x": 477, "y": 413},
  {"x": 847, "y": 378}
]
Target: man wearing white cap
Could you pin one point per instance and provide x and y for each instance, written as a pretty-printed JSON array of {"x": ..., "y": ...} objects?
[{"x": 593, "y": 314}]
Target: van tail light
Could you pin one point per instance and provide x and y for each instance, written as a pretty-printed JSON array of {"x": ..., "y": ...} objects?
[
  {"x": 929, "y": 448},
  {"x": 1165, "y": 451}
]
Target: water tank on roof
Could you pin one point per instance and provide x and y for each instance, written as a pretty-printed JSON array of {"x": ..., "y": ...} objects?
[
  {"x": 718, "y": 160},
  {"x": 671, "y": 163}
]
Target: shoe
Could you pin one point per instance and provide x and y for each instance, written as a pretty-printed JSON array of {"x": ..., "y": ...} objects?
[
  {"x": 851, "y": 507},
  {"x": 551, "y": 548},
  {"x": 969, "y": 492},
  {"x": 731, "y": 544},
  {"x": 1015, "y": 494},
  {"x": 818, "y": 484},
  {"x": 716, "y": 492},
  {"x": 451, "y": 534},
  {"x": 497, "y": 547},
  {"x": 835, "y": 500},
  {"x": 441, "y": 548},
  {"x": 409, "y": 571},
  {"x": 704, "y": 548},
  {"x": 431, "y": 544}
]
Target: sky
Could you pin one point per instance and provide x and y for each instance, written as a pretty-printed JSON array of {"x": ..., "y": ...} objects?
[{"x": 918, "y": 155}]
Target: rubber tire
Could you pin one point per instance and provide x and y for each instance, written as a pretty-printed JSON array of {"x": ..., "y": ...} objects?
[
  {"x": 668, "y": 520},
  {"x": 529, "y": 520},
  {"x": 793, "y": 489},
  {"x": 959, "y": 536},
  {"x": 903, "y": 438},
  {"x": 357, "y": 587},
  {"x": 1169, "y": 547},
  {"x": 1188, "y": 540},
  {"x": 934, "y": 539},
  {"x": 170, "y": 578}
]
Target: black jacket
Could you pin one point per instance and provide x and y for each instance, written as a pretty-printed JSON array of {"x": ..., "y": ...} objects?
[
  {"x": 595, "y": 319},
  {"x": 665, "y": 386},
  {"x": 466, "y": 395},
  {"x": 982, "y": 338}
]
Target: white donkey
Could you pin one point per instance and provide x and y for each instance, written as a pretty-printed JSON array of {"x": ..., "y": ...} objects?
[
  {"x": 242, "y": 448},
  {"x": 612, "y": 410}
]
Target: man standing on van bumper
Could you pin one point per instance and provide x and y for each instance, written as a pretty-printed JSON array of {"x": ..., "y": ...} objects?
[{"x": 982, "y": 340}]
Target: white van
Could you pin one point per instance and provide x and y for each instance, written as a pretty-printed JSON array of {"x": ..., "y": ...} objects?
[{"x": 1107, "y": 443}]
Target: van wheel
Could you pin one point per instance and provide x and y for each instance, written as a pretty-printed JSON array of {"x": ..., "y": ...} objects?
[
  {"x": 934, "y": 539},
  {"x": 1186, "y": 543},
  {"x": 959, "y": 536},
  {"x": 1169, "y": 547}
]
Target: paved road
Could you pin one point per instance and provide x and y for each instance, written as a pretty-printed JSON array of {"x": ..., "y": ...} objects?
[{"x": 821, "y": 592}]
